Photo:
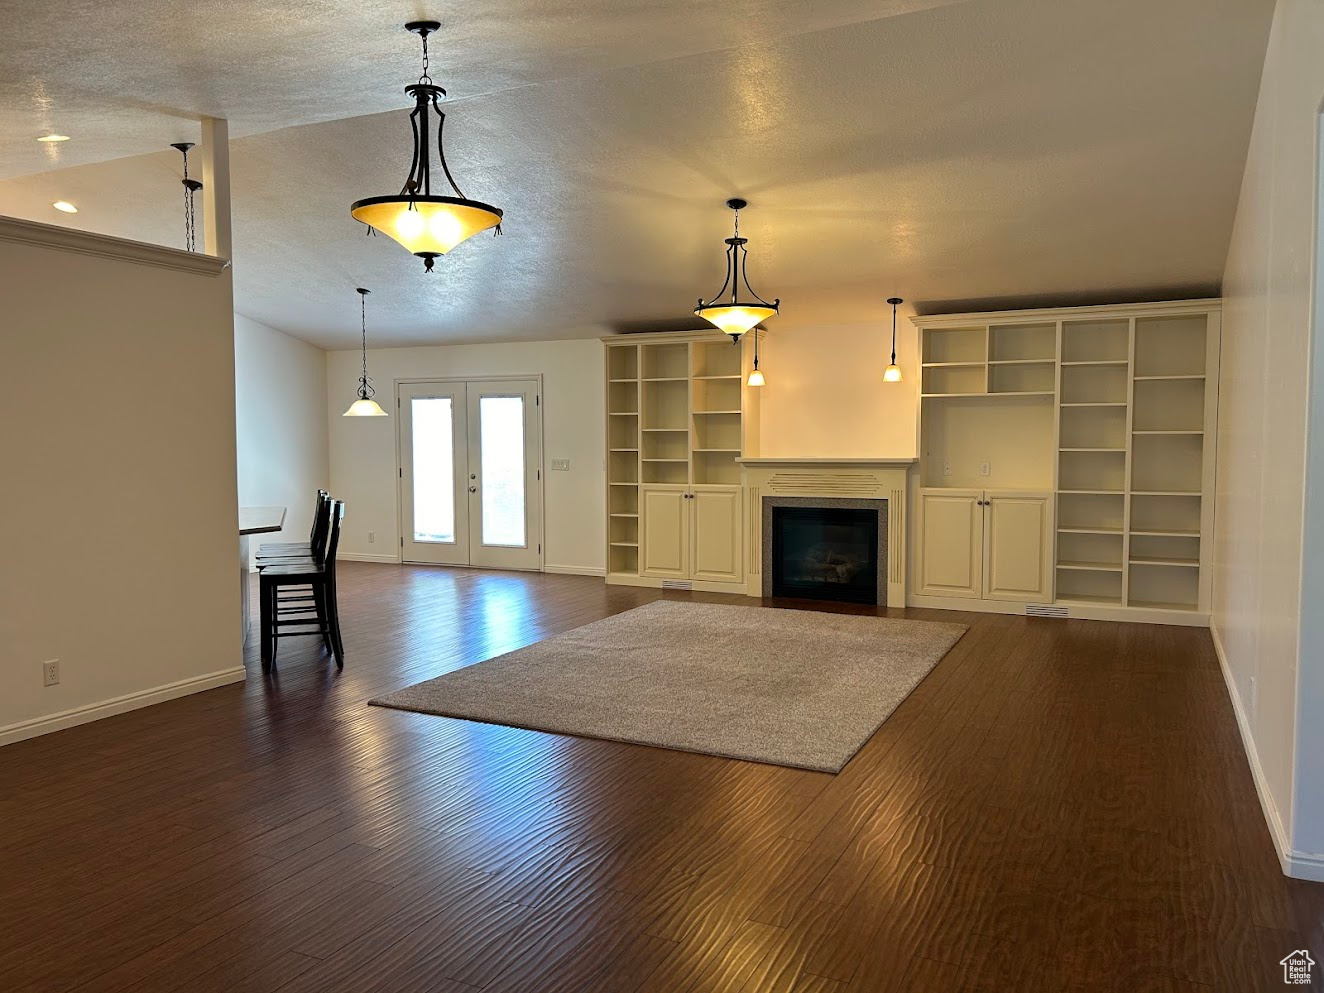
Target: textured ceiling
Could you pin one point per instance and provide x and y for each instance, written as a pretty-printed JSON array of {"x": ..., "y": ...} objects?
[{"x": 1016, "y": 150}]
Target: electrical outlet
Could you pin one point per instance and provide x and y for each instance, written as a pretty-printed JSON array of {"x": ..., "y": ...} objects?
[
  {"x": 946, "y": 468},
  {"x": 50, "y": 672},
  {"x": 560, "y": 465},
  {"x": 985, "y": 468},
  {"x": 372, "y": 537}
]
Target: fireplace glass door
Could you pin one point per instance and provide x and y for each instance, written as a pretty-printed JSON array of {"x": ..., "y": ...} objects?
[{"x": 825, "y": 553}]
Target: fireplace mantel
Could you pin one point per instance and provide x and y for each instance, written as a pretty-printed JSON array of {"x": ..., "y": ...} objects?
[{"x": 876, "y": 478}]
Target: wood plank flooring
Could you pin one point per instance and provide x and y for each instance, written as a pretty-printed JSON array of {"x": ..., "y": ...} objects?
[{"x": 1058, "y": 806}]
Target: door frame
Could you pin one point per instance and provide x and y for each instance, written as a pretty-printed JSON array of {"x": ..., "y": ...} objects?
[{"x": 540, "y": 516}]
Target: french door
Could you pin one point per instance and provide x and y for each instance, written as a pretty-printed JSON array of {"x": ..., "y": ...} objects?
[{"x": 471, "y": 473}]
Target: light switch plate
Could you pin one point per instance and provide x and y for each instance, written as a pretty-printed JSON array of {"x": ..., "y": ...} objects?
[
  {"x": 985, "y": 469},
  {"x": 561, "y": 465}
]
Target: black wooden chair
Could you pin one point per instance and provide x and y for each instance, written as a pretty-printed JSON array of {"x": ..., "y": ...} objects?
[
  {"x": 313, "y": 613},
  {"x": 321, "y": 514}
]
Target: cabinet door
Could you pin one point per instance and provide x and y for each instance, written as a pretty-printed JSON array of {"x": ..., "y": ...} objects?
[
  {"x": 1018, "y": 547},
  {"x": 717, "y": 547},
  {"x": 664, "y": 538},
  {"x": 951, "y": 542}
]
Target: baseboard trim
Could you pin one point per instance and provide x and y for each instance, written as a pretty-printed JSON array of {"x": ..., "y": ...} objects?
[
  {"x": 1297, "y": 864},
  {"x": 119, "y": 705},
  {"x": 574, "y": 570},
  {"x": 364, "y": 557}
]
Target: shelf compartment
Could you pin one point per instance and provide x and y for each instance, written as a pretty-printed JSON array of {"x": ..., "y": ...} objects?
[
  {"x": 622, "y": 361},
  {"x": 666, "y": 445},
  {"x": 623, "y": 500},
  {"x": 1090, "y": 551},
  {"x": 1096, "y": 341},
  {"x": 664, "y": 405},
  {"x": 1170, "y": 346},
  {"x": 1090, "y": 586},
  {"x": 1013, "y": 434},
  {"x": 623, "y": 560},
  {"x": 1093, "y": 427},
  {"x": 1171, "y": 587},
  {"x": 675, "y": 473},
  {"x": 1022, "y": 341},
  {"x": 623, "y": 467},
  {"x": 623, "y": 531},
  {"x": 1099, "y": 471},
  {"x": 716, "y": 358},
  {"x": 1022, "y": 377},
  {"x": 1169, "y": 405},
  {"x": 1167, "y": 463},
  {"x": 717, "y": 432},
  {"x": 1165, "y": 513},
  {"x": 623, "y": 398},
  {"x": 1081, "y": 510},
  {"x": 949, "y": 380},
  {"x": 623, "y": 432},
  {"x": 955, "y": 345},
  {"x": 1090, "y": 530},
  {"x": 716, "y": 467},
  {"x": 666, "y": 361},
  {"x": 1165, "y": 548},
  {"x": 716, "y": 394},
  {"x": 1094, "y": 384}
]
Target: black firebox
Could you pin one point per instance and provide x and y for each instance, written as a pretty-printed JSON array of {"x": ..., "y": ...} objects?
[{"x": 825, "y": 553}]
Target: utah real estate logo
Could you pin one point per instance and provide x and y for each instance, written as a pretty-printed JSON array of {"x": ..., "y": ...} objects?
[{"x": 1296, "y": 968}]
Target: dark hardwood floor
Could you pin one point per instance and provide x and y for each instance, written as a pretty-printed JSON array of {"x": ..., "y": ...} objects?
[{"x": 1058, "y": 806}]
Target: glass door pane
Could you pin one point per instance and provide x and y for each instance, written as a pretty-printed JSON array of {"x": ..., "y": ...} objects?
[
  {"x": 502, "y": 451},
  {"x": 434, "y": 469}
]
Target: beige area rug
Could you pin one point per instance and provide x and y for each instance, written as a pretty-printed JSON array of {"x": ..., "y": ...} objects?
[{"x": 799, "y": 688}]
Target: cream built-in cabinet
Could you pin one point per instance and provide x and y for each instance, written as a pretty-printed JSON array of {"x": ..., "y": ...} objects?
[
  {"x": 679, "y": 417},
  {"x": 979, "y": 544},
  {"x": 1067, "y": 460}
]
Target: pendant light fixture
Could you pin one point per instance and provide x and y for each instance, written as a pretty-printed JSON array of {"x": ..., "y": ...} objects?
[
  {"x": 365, "y": 405},
  {"x": 427, "y": 225},
  {"x": 892, "y": 374},
  {"x": 736, "y": 316},
  {"x": 191, "y": 187},
  {"x": 756, "y": 374}
]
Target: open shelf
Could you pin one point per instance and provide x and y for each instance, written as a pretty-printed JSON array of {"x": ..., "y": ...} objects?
[
  {"x": 622, "y": 363},
  {"x": 959, "y": 380},
  {"x": 1096, "y": 341},
  {"x": 1168, "y": 587},
  {"x": 1092, "y": 471},
  {"x": 1090, "y": 586},
  {"x": 1093, "y": 427},
  {"x": 665, "y": 361},
  {"x": 956, "y": 345},
  {"x": 1022, "y": 378},
  {"x": 716, "y": 360},
  {"x": 1170, "y": 346},
  {"x": 1169, "y": 405},
  {"x": 1091, "y": 511},
  {"x": 1022, "y": 342},
  {"x": 1094, "y": 384}
]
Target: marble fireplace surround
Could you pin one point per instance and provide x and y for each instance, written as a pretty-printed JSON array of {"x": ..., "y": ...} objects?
[{"x": 864, "y": 482}]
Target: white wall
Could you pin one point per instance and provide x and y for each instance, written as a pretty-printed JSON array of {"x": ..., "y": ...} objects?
[
  {"x": 363, "y": 449},
  {"x": 825, "y": 395},
  {"x": 1263, "y": 393},
  {"x": 118, "y": 494},
  {"x": 281, "y": 424}
]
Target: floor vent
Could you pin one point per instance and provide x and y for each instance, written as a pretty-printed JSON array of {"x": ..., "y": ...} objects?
[
  {"x": 1045, "y": 610},
  {"x": 677, "y": 584}
]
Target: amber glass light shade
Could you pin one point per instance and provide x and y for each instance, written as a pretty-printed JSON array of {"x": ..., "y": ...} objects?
[
  {"x": 756, "y": 378},
  {"x": 735, "y": 319},
  {"x": 892, "y": 374},
  {"x": 426, "y": 225}
]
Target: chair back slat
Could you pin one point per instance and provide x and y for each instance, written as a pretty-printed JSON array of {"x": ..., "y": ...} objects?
[{"x": 336, "y": 515}]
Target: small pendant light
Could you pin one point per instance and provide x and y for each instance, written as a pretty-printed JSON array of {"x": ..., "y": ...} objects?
[
  {"x": 893, "y": 372},
  {"x": 736, "y": 316},
  {"x": 756, "y": 374},
  {"x": 365, "y": 405}
]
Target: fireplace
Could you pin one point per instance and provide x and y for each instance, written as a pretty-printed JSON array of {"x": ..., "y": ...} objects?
[{"x": 826, "y": 549}]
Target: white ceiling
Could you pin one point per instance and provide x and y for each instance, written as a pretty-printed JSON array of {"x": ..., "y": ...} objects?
[{"x": 951, "y": 152}]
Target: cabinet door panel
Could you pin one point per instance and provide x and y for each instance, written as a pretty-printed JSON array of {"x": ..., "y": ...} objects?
[
  {"x": 1017, "y": 557},
  {"x": 951, "y": 543},
  {"x": 664, "y": 538},
  {"x": 717, "y": 545}
]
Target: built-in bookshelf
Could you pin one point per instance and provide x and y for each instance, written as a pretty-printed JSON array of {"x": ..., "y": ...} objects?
[
  {"x": 678, "y": 414},
  {"x": 1110, "y": 408}
]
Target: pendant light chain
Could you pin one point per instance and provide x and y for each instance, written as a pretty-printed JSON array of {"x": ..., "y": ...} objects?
[
  {"x": 366, "y": 392},
  {"x": 426, "y": 78},
  {"x": 191, "y": 187}
]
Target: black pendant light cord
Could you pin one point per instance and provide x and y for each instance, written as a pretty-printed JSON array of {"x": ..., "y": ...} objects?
[
  {"x": 894, "y": 301},
  {"x": 191, "y": 187},
  {"x": 366, "y": 392}
]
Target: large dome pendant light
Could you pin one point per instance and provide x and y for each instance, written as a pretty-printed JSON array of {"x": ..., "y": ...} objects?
[
  {"x": 892, "y": 374},
  {"x": 736, "y": 316},
  {"x": 365, "y": 405},
  {"x": 427, "y": 225}
]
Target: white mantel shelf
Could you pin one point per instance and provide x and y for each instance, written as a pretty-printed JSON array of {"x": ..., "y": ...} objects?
[{"x": 884, "y": 463}]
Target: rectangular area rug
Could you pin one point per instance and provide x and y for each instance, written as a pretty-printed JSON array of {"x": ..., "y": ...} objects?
[{"x": 799, "y": 688}]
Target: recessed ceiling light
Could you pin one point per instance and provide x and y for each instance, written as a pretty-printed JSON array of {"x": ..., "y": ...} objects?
[
  {"x": 65, "y": 206},
  {"x": 54, "y": 137}
]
